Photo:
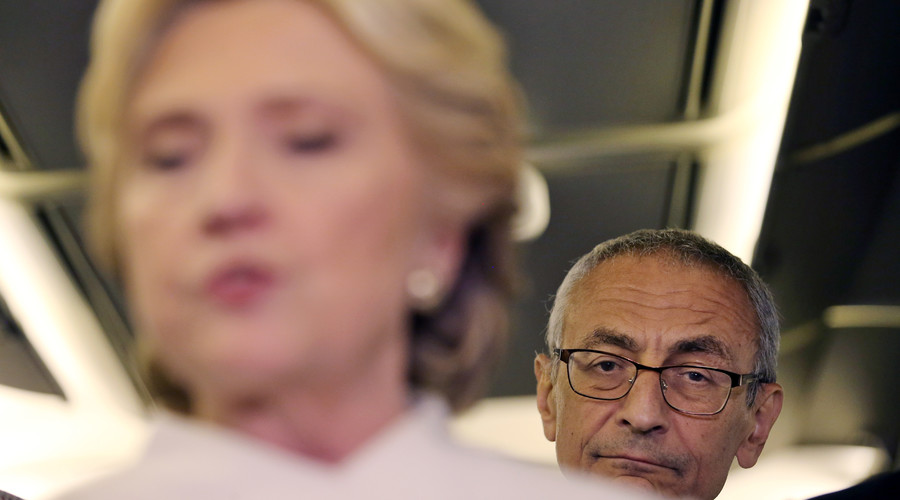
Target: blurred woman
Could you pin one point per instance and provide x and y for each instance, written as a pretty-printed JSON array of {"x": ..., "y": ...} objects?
[{"x": 308, "y": 204}]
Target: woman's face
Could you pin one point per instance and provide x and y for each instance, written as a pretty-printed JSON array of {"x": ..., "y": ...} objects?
[{"x": 271, "y": 203}]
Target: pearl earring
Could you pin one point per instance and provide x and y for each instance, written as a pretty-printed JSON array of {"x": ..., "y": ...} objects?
[{"x": 423, "y": 289}]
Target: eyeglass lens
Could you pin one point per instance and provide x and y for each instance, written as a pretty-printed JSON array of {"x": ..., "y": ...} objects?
[{"x": 685, "y": 388}]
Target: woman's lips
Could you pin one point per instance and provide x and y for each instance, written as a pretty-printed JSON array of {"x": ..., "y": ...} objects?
[{"x": 239, "y": 286}]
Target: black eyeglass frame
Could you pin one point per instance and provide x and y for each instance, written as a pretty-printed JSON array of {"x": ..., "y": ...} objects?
[{"x": 737, "y": 379}]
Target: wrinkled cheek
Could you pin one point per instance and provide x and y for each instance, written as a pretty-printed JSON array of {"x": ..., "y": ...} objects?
[{"x": 571, "y": 445}]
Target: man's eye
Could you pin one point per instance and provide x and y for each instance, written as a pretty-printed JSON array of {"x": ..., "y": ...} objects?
[
  {"x": 606, "y": 366},
  {"x": 696, "y": 376},
  {"x": 312, "y": 143}
]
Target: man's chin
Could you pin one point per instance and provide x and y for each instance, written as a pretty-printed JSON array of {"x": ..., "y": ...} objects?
[
  {"x": 636, "y": 482},
  {"x": 643, "y": 484}
]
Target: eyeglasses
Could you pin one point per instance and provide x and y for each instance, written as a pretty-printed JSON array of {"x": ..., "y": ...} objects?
[{"x": 693, "y": 390}]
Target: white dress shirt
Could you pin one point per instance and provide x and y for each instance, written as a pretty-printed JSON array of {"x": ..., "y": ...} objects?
[{"x": 414, "y": 458}]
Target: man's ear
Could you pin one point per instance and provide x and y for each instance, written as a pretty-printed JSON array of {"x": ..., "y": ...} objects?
[
  {"x": 766, "y": 410},
  {"x": 546, "y": 400}
]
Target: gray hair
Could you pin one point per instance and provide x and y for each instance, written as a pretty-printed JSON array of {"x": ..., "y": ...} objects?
[{"x": 688, "y": 249}]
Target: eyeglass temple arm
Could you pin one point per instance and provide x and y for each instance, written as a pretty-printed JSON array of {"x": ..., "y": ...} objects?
[{"x": 739, "y": 380}]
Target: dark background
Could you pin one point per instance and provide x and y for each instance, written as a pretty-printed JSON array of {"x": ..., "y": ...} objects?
[{"x": 831, "y": 234}]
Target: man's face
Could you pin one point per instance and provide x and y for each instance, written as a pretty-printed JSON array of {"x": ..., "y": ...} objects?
[{"x": 657, "y": 313}]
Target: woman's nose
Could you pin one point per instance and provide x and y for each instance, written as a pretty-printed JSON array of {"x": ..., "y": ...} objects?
[{"x": 233, "y": 194}]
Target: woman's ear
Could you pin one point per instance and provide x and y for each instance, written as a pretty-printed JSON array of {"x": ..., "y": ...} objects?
[{"x": 440, "y": 255}]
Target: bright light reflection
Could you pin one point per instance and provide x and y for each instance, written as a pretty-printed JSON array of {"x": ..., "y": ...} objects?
[{"x": 757, "y": 65}]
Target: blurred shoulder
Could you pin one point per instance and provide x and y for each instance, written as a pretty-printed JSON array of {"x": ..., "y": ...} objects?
[
  {"x": 414, "y": 458},
  {"x": 189, "y": 459}
]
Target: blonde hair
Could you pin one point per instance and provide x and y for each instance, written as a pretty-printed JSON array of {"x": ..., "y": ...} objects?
[{"x": 447, "y": 65}]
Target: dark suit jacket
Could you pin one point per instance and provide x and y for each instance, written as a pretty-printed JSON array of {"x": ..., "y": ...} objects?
[{"x": 885, "y": 486}]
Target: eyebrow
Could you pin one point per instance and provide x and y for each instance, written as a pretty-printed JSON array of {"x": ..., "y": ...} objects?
[
  {"x": 277, "y": 104},
  {"x": 706, "y": 344},
  {"x": 608, "y": 336},
  {"x": 284, "y": 105},
  {"x": 175, "y": 120}
]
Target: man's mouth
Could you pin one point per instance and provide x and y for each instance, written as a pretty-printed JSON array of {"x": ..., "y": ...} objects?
[{"x": 636, "y": 463}]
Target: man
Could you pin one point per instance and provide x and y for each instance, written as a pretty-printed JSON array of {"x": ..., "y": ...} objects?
[{"x": 661, "y": 364}]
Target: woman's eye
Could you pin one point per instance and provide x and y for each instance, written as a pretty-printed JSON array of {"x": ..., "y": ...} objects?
[
  {"x": 171, "y": 150},
  {"x": 312, "y": 143},
  {"x": 166, "y": 161}
]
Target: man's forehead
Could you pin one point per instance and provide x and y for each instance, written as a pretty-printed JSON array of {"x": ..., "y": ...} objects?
[
  {"x": 706, "y": 344},
  {"x": 720, "y": 326},
  {"x": 659, "y": 274},
  {"x": 611, "y": 269}
]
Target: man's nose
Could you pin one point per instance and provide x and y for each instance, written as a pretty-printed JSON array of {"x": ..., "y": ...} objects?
[
  {"x": 643, "y": 409},
  {"x": 233, "y": 195}
]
